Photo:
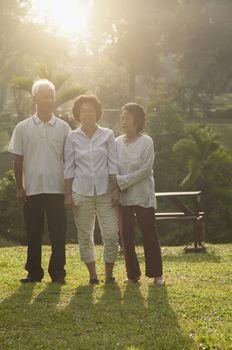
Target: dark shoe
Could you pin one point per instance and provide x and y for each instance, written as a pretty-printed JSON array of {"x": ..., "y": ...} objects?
[
  {"x": 111, "y": 280},
  {"x": 59, "y": 280},
  {"x": 93, "y": 281},
  {"x": 30, "y": 280}
]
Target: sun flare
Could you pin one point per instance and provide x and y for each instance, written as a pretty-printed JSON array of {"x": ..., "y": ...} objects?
[{"x": 67, "y": 17}]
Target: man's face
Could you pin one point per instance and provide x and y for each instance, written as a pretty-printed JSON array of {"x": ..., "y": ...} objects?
[{"x": 45, "y": 100}]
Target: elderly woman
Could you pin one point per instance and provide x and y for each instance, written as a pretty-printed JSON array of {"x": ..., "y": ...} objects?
[
  {"x": 90, "y": 158},
  {"x": 135, "y": 152}
]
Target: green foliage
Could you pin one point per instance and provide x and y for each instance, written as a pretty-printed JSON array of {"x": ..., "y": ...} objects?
[
  {"x": 64, "y": 92},
  {"x": 199, "y": 149},
  {"x": 210, "y": 170},
  {"x": 69, "y": 94},
  {"x": 165, "y": 126},
  {"x": 11, "y": 223},
  {"x": 22, "y": 83},
  {"x": 193, "y": 310}
]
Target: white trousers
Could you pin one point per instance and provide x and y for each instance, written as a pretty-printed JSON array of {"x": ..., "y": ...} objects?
[{"x": 85, "y": 210}]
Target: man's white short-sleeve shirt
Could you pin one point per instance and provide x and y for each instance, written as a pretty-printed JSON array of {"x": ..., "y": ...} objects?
[{"x": 42, "y": 147}]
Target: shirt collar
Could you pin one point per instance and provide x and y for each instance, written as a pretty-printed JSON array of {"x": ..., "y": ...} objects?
[
  {"x": 80, "y": 131},
  {"x": 37, "y": 120}
]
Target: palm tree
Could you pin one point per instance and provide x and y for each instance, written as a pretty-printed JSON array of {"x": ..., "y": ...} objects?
[
  {"x": 201, "y": 149},
  {"x": 22, "y": 84}
]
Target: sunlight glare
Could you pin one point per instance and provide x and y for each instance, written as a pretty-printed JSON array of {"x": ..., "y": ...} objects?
[{"x": 69, "y": 17}]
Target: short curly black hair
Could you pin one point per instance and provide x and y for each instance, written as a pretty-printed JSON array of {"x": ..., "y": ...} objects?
[
  {"x": 92, "y": 99},
  {"x": 137, "y": 112}
]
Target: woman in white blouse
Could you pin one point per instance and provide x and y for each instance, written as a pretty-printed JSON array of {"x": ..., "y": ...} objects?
[
  {"x": 90, "y": 158},
  {"x": 135, "y": 152}
]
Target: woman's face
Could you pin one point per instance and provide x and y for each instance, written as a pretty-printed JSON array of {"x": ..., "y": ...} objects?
[
  {"x": 128, "y": 123},
  {"x": 88, "y": 115}
]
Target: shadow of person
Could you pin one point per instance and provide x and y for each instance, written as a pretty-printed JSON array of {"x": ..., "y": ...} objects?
[
  {"x": 11, "y": 313},
  {"x": 93, "y": 310},
  {"x": 163, "y": 322},
  {"x": 48, "y": 298},
  {"x": 21, "y": 297},
  {"x": 135, "y": 330},
  {"x": 78, "y": 319}
]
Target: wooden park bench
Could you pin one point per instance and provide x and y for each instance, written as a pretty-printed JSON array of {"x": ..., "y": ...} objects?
[{"x": 185, "y": 212}]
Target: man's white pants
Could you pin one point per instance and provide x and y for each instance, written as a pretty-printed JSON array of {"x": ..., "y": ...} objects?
[{"x": 85, "y": 210}]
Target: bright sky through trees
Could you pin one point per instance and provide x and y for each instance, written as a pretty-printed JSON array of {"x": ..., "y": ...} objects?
[{"x": 65, "y": 17}]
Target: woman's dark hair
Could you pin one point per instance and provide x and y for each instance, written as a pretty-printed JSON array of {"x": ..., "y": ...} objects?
[
  {"x": 92, "y": 99},
  {"x": 137, "y": 112}
]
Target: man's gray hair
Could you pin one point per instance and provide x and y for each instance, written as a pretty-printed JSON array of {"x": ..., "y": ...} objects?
[{"x": 40, "y": 83}]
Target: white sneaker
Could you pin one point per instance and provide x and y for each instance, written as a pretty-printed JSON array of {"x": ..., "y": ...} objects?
[
  {"x": 130, "y": 281},
  {"x": 159, "y": 280}
]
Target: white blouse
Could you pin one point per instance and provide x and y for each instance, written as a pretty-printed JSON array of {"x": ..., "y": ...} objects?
[
  {"x": 90, "y": 161},
  {"x": 135, "y": 164}
]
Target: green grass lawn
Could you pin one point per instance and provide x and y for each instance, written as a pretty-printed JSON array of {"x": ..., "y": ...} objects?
[{"x": 193, "y": 310}]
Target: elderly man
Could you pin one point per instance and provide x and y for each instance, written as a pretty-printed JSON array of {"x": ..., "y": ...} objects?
[{"x": 37, "y": 145}]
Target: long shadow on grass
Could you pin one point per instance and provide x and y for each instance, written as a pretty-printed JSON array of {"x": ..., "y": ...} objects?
[
  {"x": 150, "y": 323},
  {"x": 108, "y": 319},
  {"x": 13, "y": 314},
  {"x": 95, "y": 316},
  {"x": 193, "y": 258},
  {"x": 19, "y": 300},
  {"x": 47, "y": 300},
  {"x": 165, "y": 328}
]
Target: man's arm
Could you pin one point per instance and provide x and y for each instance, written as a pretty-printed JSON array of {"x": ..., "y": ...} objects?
[{"x": 18, "y": 171}]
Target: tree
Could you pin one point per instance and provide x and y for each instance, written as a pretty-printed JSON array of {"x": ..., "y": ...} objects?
[
  {"x": 22, "y": 45},
  {"x": 166, "y": 126},
  {"x": 64, "y": 93},
  {"x": 130, "y": 32},
  {"x": 210, "y": 170},
  {"x": 200, "y": 148},
  {"x": 201, "y": 51}
]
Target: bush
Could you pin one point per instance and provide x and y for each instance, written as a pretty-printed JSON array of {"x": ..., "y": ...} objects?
[{"x": 11, "y": 224}]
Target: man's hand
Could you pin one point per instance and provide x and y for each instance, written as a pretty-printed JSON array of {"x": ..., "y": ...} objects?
[
  {"x": 68, "y": 201},
  {"x": 21, "y": 195}
]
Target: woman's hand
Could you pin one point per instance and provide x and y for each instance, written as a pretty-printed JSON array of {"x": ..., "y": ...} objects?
[
  {"x": 113, "y": 181},
  {"x": 68, "y": 201},
  {"x": 115, "y": 196}
]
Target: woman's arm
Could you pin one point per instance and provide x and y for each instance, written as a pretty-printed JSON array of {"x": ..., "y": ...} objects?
[
  {"x": 69, "y": 170},
  {"x": 113, "y": 169},
  {"x": 112, "y": 155},
  {"x": 125, "y": 181},
  {"x": 68, "y": 202}
]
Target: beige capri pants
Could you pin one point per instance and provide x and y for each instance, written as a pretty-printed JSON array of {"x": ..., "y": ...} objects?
[{"x": 85, "y": 210}]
